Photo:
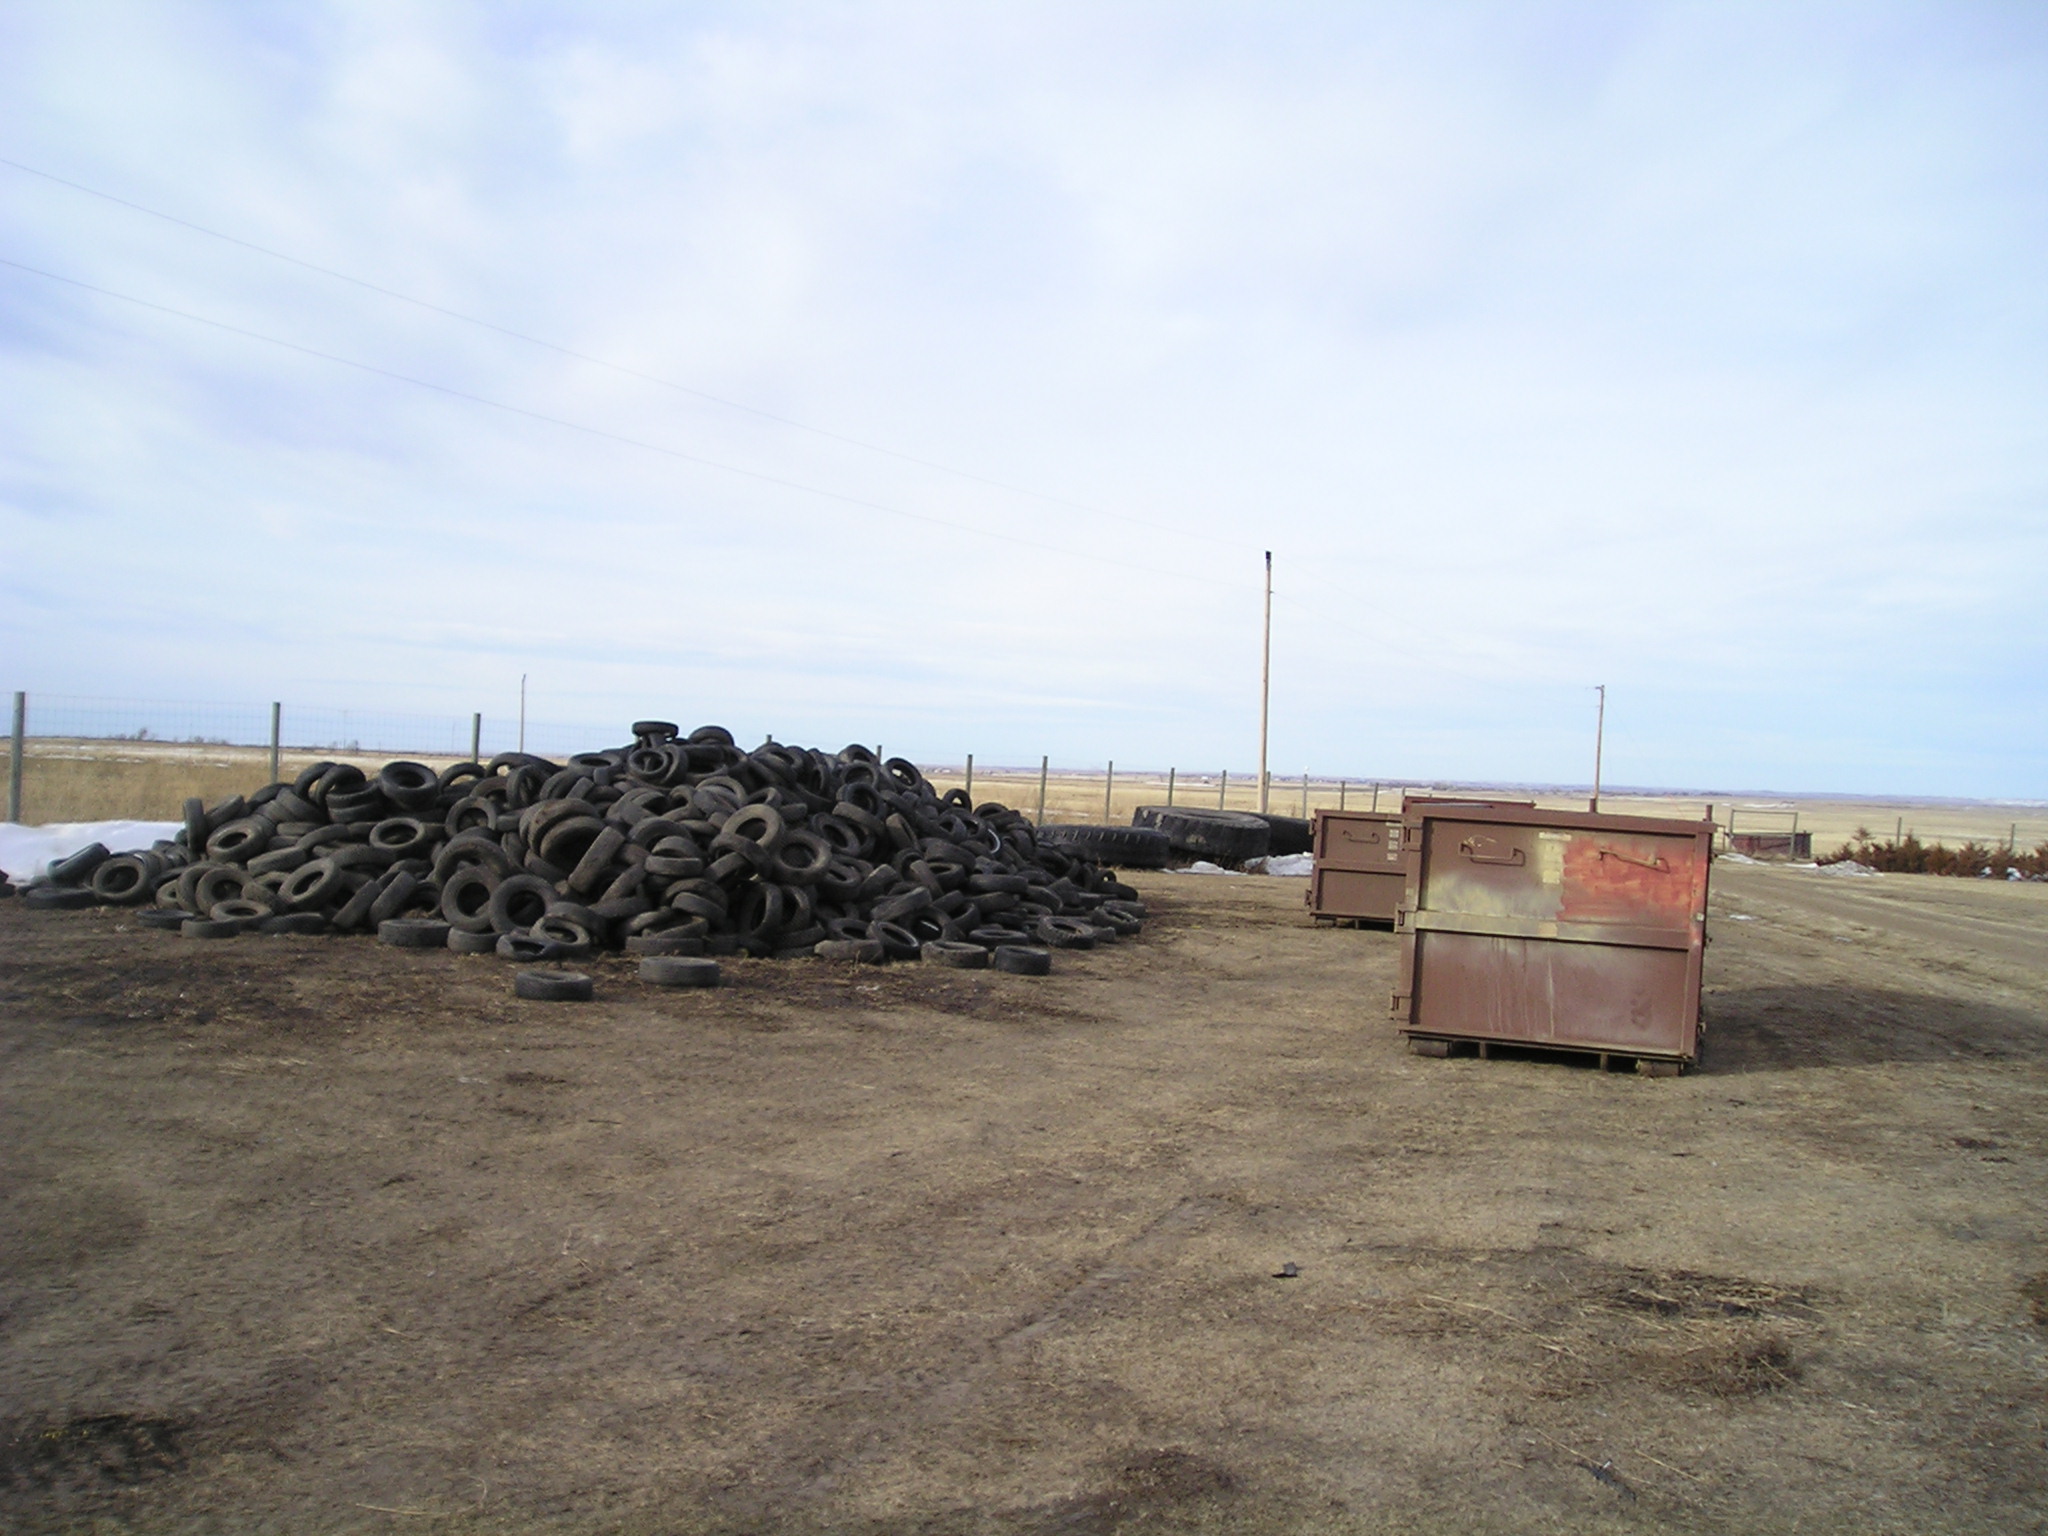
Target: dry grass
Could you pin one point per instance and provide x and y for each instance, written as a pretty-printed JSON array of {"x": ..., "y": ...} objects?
[{"x": 109, "y": 781}]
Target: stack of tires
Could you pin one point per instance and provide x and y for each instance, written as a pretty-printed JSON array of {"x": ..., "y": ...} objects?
[{"x": 673, "y": 845}]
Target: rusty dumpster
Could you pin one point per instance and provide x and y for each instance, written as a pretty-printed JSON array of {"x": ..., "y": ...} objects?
[
  {"x": 1563, "y": 929},
  {"x": 1358, "y": 875}
]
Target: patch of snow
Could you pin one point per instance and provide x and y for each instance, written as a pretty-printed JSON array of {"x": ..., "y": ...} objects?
[
  {"x": 1204, "y": 867},
  {"x": 1845, "y": 867},
  {"x": 1300, "y": 865},
  {"x": 1741, "y": 917},
  {"x": 27, "y": 852},
  {"x": 1732, "y": 857}
]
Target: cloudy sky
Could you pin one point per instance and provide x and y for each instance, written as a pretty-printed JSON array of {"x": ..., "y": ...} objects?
[{"x": 937, "y": 374}]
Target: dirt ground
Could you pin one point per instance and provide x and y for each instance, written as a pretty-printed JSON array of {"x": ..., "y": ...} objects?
[{"x": 313, "y": 1235}]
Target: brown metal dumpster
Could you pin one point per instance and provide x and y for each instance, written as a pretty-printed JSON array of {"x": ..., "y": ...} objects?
[
  {"x": 1564, "y": 929},
  {"x": 1358, "y": 875}
]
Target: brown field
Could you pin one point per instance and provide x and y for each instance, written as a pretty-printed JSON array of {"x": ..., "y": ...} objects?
[
  {"x": 103, "y": 780},
  {"x": 314, "y": 1235}
]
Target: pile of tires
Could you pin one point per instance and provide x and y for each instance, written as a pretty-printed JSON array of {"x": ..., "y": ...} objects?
[{"x": 673, "y": 845}]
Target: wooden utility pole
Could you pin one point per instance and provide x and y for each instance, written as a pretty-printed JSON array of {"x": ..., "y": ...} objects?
[
  {"x": 1599, "y": 743},
  {"x": 1265, "y": 686}
]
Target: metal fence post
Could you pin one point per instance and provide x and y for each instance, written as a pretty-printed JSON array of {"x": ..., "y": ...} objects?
[
  {"x": 1041, "y": 789},
  {"x": 1304, "y": 797},
  {"x": 1222, "y": 789},
  {"x": 1108, "y": 788},
  {"x": 970, "y": 780},
  {"x": 1342, "y": 786},
  {"x": 1375, "y": 797},
  {"x": 1169, "y": 786},
  {"x": 14, "y": 761},
  {"x": 476, "y": 737}
]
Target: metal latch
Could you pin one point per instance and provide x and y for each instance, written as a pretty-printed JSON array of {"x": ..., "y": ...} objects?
[
  {"x": 1472, "y": 849},
  {"x": 1653, "y": 862}
]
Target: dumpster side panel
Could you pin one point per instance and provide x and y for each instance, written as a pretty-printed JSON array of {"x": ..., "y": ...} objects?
[
  {"x": 1354, "y": 893},
  {"x": 1585, "y": 996},
  {"x": 1364, "y": 840}
]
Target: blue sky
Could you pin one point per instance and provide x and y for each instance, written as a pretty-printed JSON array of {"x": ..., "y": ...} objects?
[{"x": 1696, "y": 350}]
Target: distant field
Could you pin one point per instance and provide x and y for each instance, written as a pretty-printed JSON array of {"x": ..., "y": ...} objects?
[{"x": 105, "y": 780}]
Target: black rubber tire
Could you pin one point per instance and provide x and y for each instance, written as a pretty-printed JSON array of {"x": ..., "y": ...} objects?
[
  {"x": 1289, "y": 834},
  {"x": 1065, "y": 932},
  {"x": 286, "y": 923},
  {"x": 899, "y": 941},
  {"x": 242, "y": 910},
  {"x": 310, "y": 886},
  {"x": 1022, "y": 960},
  {"x": 553, "y": 986},
  {"x": 572, "y": 938},
  {"x": 413, "y": 933},
  {"x": 852, "y": 951},
  {"x": 466, "y": 897},
  {"x": 57, "y": 898},
  {"x": 679, "y": 971},
  {"x": 125, "y": 880},
  {"x": 1119, "y": 847},
  {"x": 164, "y": 918},
  {"x": 195, "y": 828},
  {"x": 207, "y": 928},
  {"x": 666, "y": 941},
  {"x": 956, "y": 954},
  {"x": 465, "y": 941},
  {"x": 1227, "y": 837},
  {"x": 519, "y": 902},
  {"x": 409, "y": 786},
  {"x": 994, "y": 936},
  {"x": 526, "y": 948},
  {"x": 396, "y": 896},
  {"x": 77, "y": 868}
]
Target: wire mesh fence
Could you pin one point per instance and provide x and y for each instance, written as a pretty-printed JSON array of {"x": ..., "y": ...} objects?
[{"x": 88, "y": 758}]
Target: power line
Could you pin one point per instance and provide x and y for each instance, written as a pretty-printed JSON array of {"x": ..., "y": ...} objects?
[
  {"x": 599, "y": 362},
  {"x": 598, "y": 432}
]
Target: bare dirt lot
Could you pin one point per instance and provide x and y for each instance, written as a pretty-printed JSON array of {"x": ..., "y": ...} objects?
[{"x": 309, "y": 1234}]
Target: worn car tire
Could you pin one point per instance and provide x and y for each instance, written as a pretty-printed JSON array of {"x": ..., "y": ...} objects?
[
  {"x": 1022, "y": 960},
  {"x": 467, "y": 941},
  {"x": 413, "y": 933},
  {"x": 1065, "y": 932},
  {"x": 957, "y": 954},
  {"x": 851, "y": 951},
  {"x": 553, "y": 986},
  {"x": 679, "y": 971}
]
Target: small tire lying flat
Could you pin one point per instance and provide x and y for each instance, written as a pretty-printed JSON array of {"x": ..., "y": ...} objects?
[
  {"x": 957, "y": 954},
  {"x": 1022, "y": 960},
  {"x": 415, "y": 933},
  {"x": 464, "y": 942},
  {"x": 679, "y": 971},
  {"x": 553, "y": 986}
]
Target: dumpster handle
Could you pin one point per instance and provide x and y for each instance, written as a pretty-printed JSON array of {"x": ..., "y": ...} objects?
[
  {"x": 1654, "y": 861},
  {"x": 1470, "y": 848}
]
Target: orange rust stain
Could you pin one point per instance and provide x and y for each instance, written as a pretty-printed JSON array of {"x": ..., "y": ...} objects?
[{"x": 1616, "y": 878}]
